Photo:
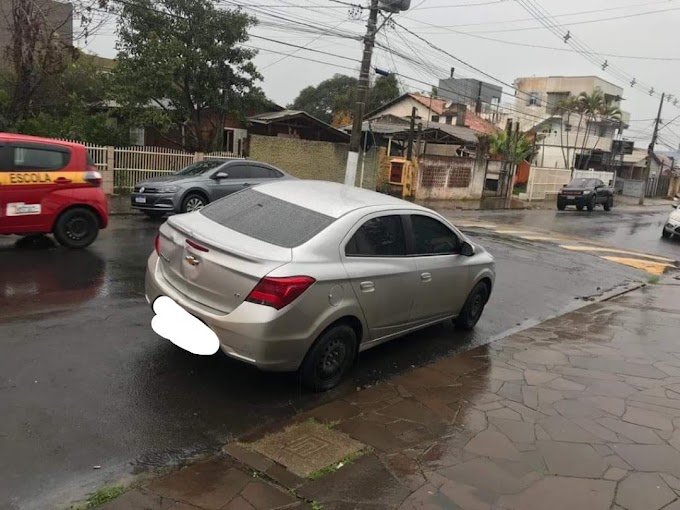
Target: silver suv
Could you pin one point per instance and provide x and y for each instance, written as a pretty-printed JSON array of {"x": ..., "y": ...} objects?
[{"x": 199, "y": 184}]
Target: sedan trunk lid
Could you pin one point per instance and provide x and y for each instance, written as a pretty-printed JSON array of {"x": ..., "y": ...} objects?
[{"x": 212, "y": 264}]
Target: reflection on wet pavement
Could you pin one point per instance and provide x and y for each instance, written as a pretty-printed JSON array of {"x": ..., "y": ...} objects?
[{"x": 582, "y": 411}]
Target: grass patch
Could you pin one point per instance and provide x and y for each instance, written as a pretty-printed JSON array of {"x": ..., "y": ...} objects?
[
  {"x": 653, "y": 280},
  {"x": 316, "y": 505},
  {"x": 104, "y": 495},
  {"x": 347, "y": 459},
  {"x": 519, "y": 188}
]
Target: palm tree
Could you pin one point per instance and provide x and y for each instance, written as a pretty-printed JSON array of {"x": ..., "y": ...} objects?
[
  {"x": 591, "y": 106},
  {"x": 566, "y": 108},
  {"x": 607, "y": 114},
  {"x": 512, "y": 147}
]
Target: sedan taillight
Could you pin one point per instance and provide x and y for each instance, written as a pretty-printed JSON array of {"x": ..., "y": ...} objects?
[{"x": 279, "y": 292}]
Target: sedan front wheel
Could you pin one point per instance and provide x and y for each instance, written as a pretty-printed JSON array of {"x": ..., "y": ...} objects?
[{"x": 473, "y": 307}]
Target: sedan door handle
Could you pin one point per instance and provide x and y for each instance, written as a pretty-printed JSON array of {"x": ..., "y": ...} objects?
[
  {"x": 367, "y": 286},
  {"x": 426, "y": 277},
  {"x": 62, "y": 180}
]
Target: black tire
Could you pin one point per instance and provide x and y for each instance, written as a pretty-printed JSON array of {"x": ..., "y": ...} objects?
[
  {"x": 76, "y": 228},
  {"x": 561, "y": 207},
  {"x": 193, "y": 202},
  {"x": 665, "y": 234},
  {"x": 329, "y": 359},
  {"x": 579, "y": 207},
  {"x": 154, "y": 215},
  {"x": 591, "y": 204},
  {"x": 609, "y": 204},
  {"x": 473, "y": 307}
]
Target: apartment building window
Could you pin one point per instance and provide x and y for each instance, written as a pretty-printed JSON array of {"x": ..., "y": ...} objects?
[
  {"x": 533, "y": 99},
  {"x": 449, "y": 119},
  {"x": 435, "y": 118}
]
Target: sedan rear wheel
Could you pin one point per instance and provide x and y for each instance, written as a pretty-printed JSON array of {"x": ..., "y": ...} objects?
[
  {"x": 76, "y": 228},
  {"x": 329, "y": 359},
  {"x": 665, "y": 233},
  {"x": 473, "y": 307}
]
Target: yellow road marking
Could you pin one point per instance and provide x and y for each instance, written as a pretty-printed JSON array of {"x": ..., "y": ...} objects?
[
  {"x": 614, "y": 250},
  {"x": 656, "y": 268}
]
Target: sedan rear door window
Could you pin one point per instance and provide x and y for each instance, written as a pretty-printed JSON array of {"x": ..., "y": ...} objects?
[
  {"x": 432, "y": 237},
  {"x": 378, "y": 237}
]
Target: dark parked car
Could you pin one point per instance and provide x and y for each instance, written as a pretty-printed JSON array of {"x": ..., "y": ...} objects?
[
  {"x": 199, "y": 184},
  {"x": 585, "y": 193}
]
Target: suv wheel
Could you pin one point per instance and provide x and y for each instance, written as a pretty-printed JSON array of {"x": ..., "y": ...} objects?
[
  {"x": 609, "y": 204},
  {"x": 591, "y": 204},
  {"x": 329, "y": 359},
  {"x": 76, "y": 228},
  {"x": 193, "y": 202}
]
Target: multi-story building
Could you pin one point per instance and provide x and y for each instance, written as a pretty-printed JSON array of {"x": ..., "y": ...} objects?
[
  {"x": 567, "y": 138},
  {"x": 479, "y": 96}
]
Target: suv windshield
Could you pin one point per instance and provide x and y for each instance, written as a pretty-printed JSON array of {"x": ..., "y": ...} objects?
[
  {"x": 580, "y": 183},
  {"x": 200, "y": 167},
  {"x": 266, "y": 218}
]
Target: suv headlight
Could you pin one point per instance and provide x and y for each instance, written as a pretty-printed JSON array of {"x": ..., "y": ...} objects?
[
  {"x": 169, "y": 189},
  {"x": 587, "y": 192}
]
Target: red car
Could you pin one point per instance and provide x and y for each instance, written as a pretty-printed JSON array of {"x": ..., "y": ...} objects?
[{"x": 50, "y": 186}]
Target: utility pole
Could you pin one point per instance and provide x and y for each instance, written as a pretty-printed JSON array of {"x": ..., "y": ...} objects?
[
  {"x": 362, "y": 89},
  {"x": 392, "y": 6},
  {"x": 650, "y": 152},
  {"x": 409, "y": 147}
]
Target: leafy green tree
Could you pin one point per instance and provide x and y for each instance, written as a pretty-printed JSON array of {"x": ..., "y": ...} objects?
[
  {"x": 335, "y": 97},
  {"x": 181, "y": 64}
]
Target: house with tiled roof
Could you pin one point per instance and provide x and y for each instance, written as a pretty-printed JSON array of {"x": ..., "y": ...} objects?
[{"x": 432, "y": 111}]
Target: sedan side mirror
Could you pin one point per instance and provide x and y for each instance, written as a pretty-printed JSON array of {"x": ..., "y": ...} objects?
[
  {"x": 467, "y": 250},
  {"x": 220, "y": 175},
  {"x": 599, "y": 186}
]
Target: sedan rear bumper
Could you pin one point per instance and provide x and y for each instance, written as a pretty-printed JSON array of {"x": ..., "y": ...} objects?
[{"x": 257, "y": 334}]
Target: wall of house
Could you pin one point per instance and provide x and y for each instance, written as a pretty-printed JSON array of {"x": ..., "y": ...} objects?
[
  {"x": 308, "y": 159},
  {"x": 403, "y": 109},
  {"x": 449, "y": 178}
]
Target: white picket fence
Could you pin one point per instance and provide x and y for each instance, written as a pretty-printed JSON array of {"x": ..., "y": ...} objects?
[{"x": 122, "y": 167}]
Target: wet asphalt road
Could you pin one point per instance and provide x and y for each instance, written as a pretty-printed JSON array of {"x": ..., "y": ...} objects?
[
  {"x": 84, "y": 381},
  {"x": 628, "y": 228}
]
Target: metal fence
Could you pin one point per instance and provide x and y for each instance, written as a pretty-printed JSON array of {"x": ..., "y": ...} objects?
[
  {"x": 122, "y": 167},
  {"x": 657, "y": 186}
]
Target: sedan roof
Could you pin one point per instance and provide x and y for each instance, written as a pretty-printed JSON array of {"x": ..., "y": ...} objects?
[{"x": 330, "y": 198}]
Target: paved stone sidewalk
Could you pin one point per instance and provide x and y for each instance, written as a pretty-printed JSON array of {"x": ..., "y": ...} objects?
[{"x": 581, "y": 412}]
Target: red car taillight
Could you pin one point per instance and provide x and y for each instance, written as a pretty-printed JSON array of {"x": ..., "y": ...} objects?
[
  {"x": 157, "y": 244},
  {"x": 279, "y": 292},
  {"x": 92, "y": 176}
]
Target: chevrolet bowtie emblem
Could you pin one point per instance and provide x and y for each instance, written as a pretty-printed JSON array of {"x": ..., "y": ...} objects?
[{"x": 191, "y": 260}]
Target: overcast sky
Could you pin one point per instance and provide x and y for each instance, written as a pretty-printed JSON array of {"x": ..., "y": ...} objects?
[{"x": 444, "y": 22}]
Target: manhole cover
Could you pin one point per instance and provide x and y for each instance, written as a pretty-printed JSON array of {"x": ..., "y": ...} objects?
[{"x": 307, "y": 447}]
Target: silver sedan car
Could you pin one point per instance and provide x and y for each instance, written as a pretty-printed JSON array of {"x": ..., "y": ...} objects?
[{"x": 304, "y": 275}]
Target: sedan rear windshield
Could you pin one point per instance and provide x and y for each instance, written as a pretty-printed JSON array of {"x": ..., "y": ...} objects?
[{"x": 267, "y": 219}]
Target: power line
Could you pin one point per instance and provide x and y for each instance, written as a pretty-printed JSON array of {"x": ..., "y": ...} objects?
[{"x": 570, "y": 14}]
